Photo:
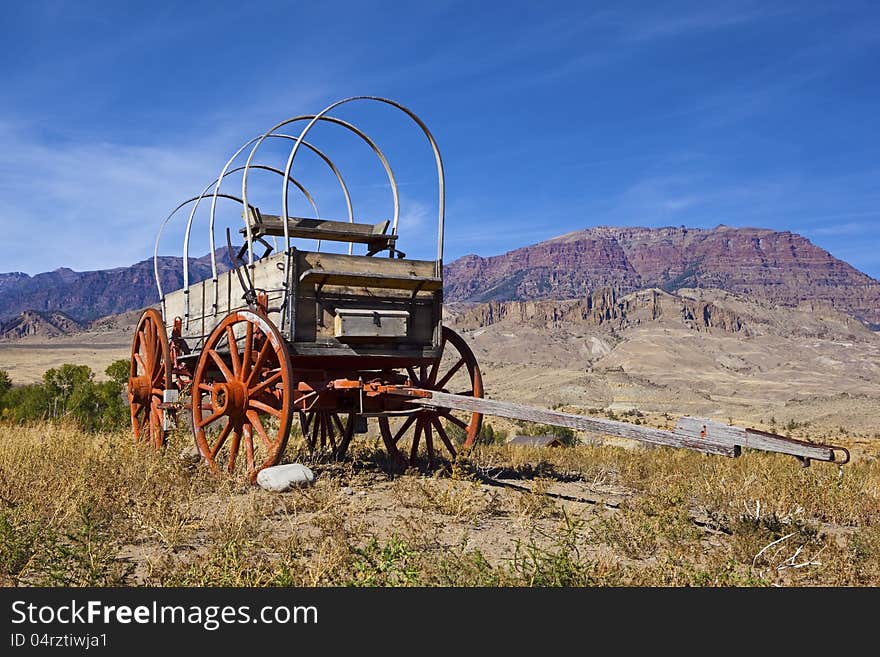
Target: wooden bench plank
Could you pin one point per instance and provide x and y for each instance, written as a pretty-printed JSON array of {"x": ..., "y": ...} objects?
[
  {"x": 320, "y": 229},
  {"x": 352, "y": 279}
]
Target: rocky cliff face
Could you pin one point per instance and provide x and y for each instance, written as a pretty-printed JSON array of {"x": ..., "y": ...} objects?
[
  {"x": 604, "y": 308},
  {"x": 36, "y": 324},
  {"x": 703, "y": 310},
  {"x": 779, "y": 267}
]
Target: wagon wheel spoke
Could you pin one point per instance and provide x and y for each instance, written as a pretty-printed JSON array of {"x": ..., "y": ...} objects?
[
  {"x": 254, "y": 417},
  {"x": 429, "y": 442},
  {"x": 323, "y": 419},
  {"x": 450, "y": 417},
  {"x": 233, "y": 352},
  {"x": 406, "y": 425},
  {"x": 331, "y": 433},
  {"x": 261, "y": 357},
  {"x": 315, "y": 431},
  {"x": 346, "y": 435},
  {"x": 445, "y": 438},
  {"x": 414, "y": 448},
  {"x": 337, "y": 422},
  {"x": 234, "y": 446},
  {"x": 221, "y": 439},
  {"x": 149, "y": 348},
  {"x": 138, "y": 423},
  {"x": 265, "y": 384},
  {"x": 156, "y": 436},
  {"x": 211, "y": 418},
  {"x": 249, "y": 447},
  {"x": 261, "y": 406},
  {"x": 412, "y": 376},
  {"x": 451, "y": 373},
  {"x": 220, "y": 364},
  {"x": 435, "y": 368},
  {"x": 305, "y": 421},
  {"x": 248, "y": 352}
]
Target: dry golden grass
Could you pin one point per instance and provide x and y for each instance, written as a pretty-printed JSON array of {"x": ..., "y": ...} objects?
[{"x": 97, "y": 510}]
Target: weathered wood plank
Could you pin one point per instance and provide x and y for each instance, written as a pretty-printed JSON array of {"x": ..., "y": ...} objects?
[
  {"x": 698, "y": 427},
  {"x": 320, "y": 229},
  {"x": 352, "y": 279},
  {"x": 359, "y": 264},
  {"x": 558, "y": 418}
]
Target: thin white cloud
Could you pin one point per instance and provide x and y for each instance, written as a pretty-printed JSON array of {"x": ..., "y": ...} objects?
[{"x": 89, "y": 205}]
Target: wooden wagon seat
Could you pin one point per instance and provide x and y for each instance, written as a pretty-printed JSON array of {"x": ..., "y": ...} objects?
[{"x": 373, "y": 235}]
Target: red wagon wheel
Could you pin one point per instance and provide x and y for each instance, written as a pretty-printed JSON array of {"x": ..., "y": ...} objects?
[
  {"x": 456, "y": 371},
  {"x": 327, "y": 428},
  {"x": 241, "y": 395},
  {"x": 148, "y": 378}
]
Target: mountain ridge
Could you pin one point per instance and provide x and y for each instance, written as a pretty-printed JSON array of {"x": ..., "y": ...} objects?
[{"x": 779, "y": 266}]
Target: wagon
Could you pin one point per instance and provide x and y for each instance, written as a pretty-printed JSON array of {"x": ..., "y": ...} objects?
[
  {"x": 301, "y": 335},
  {"x": 288, "y": 333}
]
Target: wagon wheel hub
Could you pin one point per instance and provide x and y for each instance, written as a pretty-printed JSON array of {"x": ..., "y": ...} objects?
[
  {"x": 230, "y": 398},
  {"x": 140, "y": 388}
]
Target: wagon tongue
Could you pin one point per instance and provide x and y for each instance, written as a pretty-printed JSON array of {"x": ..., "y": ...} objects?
[{"x": 699, "y": 434}]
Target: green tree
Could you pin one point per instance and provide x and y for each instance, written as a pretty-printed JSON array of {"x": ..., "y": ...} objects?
[
  {"x": 118, "y": 372},
  {"x": 68, "y": 382},
  {"x": 566, "y": 435},
  {"x": 26, "y": 404}
]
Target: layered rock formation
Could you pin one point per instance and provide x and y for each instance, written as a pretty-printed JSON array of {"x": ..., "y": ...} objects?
[
  {"x": 36, "y": 324},
  {"x": 779, "y": 267}
]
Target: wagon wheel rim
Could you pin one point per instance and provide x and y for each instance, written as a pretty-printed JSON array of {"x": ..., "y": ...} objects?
[
  {"x": 148, "y": 378},
  {"x": 325, "y": 430},
  {"x": 241, "y": 399},
  {"x": 436, "y": 429}
]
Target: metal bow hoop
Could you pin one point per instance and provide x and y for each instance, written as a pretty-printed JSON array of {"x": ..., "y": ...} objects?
[
  {"x": 273, "y": 134},
  {"x": 218, "y": 183},
  {"x": 436, "y": 150},
  {"x": 395, "y": 196},
  {"x": 196, "y": 200}
]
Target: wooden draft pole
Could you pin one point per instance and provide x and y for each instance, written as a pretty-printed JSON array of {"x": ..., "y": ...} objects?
[{"x": 699, "y": 434}]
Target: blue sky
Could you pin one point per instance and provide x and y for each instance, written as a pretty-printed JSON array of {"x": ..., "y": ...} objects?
[{"x": 551, "y": 117}]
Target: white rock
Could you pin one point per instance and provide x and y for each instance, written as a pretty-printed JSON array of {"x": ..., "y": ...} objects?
[{"x": 283, "y": 477}]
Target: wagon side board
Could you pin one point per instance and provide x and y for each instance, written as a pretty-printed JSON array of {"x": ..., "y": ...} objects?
[
  {"x": 342, "y": 305},
  {"x": 211, "y": 300}
]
